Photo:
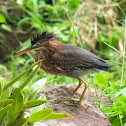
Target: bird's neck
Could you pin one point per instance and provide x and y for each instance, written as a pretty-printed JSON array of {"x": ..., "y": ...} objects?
[
  {"x": 54, "y": 45},
  {"x": 51, "y": 47},
  {"x": 48, "y": 49}
]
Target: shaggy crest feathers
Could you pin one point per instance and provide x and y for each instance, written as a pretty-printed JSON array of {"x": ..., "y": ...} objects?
[{"x": 45, "y": 36}]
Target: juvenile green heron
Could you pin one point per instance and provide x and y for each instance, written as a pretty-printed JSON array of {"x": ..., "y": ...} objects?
[{"x": 65, "y": 60}]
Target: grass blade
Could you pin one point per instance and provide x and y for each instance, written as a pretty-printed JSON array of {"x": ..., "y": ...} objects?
[
  {"x": 1, "y": 90},
  {"x": 28, "y": 80},
  {"x": 17, "y": 78},
  {"x": 34, "y": 103}
]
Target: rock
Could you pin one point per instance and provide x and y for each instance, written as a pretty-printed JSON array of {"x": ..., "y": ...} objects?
[{"x": 79, "y": 116}]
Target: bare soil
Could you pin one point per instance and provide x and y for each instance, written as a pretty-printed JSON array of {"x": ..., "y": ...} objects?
[{"x": 79, "y": 116}]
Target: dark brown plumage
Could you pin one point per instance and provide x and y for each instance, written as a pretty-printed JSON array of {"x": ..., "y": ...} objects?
[{"x": 65, "y": 60}]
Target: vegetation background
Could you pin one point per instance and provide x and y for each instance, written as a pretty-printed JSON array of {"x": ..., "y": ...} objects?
[{"x": 98, "y": 26}]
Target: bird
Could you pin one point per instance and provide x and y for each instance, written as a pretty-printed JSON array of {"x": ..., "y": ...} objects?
[{"x": 65, "y": 60}]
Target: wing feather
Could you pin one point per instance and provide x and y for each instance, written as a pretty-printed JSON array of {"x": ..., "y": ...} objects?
[{"x": 70, "y": 57}]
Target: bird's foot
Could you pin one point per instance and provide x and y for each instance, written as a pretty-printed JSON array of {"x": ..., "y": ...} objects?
[
  {"x": 71, "y": 101},
  {"x": 77, "y": 103},
  {"x": 67, "y": 99}
]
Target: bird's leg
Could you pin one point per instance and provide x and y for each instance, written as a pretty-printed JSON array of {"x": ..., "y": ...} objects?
[
  {"x": 74, "y": 92},
  {"x": 82, "y": 96},
  {"x": 80, "y": 83}
]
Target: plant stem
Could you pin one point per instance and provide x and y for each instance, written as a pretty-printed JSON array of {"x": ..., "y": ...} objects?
[{"x": 124, "y": 48}]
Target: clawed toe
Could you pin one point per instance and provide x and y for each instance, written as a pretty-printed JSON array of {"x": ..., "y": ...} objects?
[
  {"x": 84, "y": 107},
  {"x": 71, "y": 101},
  {"x": 67, "y": 99},
  {"x": 76, "y": 103}
]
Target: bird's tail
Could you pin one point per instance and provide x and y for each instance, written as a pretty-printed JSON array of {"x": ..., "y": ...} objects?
[{"x": 103, "y": 65}]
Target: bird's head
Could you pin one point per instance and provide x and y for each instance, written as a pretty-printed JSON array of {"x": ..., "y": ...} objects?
[{"x": 38, "y": 41}]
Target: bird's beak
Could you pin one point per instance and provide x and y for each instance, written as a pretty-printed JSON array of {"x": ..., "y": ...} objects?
[{"x": 30, "y": 49}]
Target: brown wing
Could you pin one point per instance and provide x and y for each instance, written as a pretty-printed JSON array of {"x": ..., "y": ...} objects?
[{"x": 70, "y": 57}]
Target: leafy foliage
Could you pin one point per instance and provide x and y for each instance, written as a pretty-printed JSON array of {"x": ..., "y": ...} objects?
[
  {"x": 13, "y": 107},
  {"x": 99, "y": 26},
  {"x": 116, "y": 112}
]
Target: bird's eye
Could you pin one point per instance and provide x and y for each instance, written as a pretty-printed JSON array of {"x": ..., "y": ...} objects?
[{"x": 37, "y": 44}]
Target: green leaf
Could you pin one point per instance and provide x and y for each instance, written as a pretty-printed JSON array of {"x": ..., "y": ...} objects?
[
  {"x": 41, "y": 115},
  {"x": 24, "y": 20},
  {"x": 74, "y": 3},
  {"x": 121, "y": 90},
  {"x": 3, "y": 111},
  {"x": 27, "y": 81},
  {"x": 22, "y": 74},
  {"x": 58, "y": 116},
  {"x": 116, "y": 122},
  {"x": 34, "y": 89},
  {"x": 122, "y": 99},
  {"x": 6, "y": 27},
  {"x": 5, "y": 102},
  {"x": 102, "y": 37},
  {"x": 16, "y": 107},
  {"x": 18, "y": 122},
  {"x": 6, "y": 94},
  {"x": 40, "y": 107},
  {"x": 111, "y": 114},
  {"x": 35, "y": 7},
  {"x": 34, "y": 103},
  {"x": 1, "y": 89},
  {"x": 74, "y": 36},
  {"x": 99, "y": 79},
  {"x": 2, "y": 18}
]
